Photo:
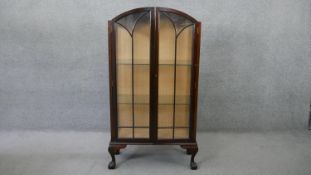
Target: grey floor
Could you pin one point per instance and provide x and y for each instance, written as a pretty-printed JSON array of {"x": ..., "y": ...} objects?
[{"x": 85, "y": 153}]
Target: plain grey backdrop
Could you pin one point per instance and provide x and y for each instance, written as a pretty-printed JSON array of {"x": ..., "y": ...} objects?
[{"x": 255, "y": 71}]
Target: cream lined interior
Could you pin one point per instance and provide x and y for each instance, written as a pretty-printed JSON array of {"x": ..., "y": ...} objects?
[{"x": 123, "y": 45}]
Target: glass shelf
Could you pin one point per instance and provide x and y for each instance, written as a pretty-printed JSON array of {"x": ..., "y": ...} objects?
[
  {"x": 174, "y": 64},
  {"x": 136, "y": 127},
  {"x": 170, "y": 127},
  {"x": 163, "y": 99},
  {"x": 140, "y": 118},
  {"x": 138, "y": 99},
  {"x": 130, "y": 64},
  {"x": 169, "y": 99}
]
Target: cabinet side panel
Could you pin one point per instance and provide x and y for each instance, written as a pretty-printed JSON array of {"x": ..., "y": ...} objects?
[
  {"x": 112, "y": 84},
  {"x": 195, "y": 81}
]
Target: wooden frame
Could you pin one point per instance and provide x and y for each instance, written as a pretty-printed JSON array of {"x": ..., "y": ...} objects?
[{"x": 190, "y": 144}]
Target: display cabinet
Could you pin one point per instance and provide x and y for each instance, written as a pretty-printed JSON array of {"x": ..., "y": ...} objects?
[{"x": 153, "y": 76}]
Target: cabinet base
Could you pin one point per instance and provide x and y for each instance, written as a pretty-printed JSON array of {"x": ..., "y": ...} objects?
[{"x": 191, "y": 149}]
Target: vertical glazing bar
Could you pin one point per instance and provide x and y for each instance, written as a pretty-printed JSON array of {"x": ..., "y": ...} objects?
[
  {"x": 153, "y": 75},
  {"x": 133, "y": 113},
  {"x": 174, "y": 106}
]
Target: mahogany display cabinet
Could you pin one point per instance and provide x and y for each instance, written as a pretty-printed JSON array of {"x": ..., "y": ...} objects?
[{"x": 153, "y": 66}]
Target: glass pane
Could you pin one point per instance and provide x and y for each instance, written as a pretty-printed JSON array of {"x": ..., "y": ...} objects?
[
  {"x": 141, "y": 83},
  {"x": 183, "y": 82},
  {"x": 141, "y": 132},
  {"x": 141, "y": 115},
  {"x": 166, "y": 84},
  {"x": 180, "y": 22},
  {"x": 129, "y": 21},
  {"x": 184, "y": 46},
  {"x": 133, "y": 72},
  {"x": 167, "y": 41},
  {"x": 141, "y": 39},
  {"x": 123, "y": 45},
  {"x": 125, "y": 115},
  {"x": 165, "y": 115},
  {"x": 181, "y": 133},
  {"x": 125, "y": 132},
  {"x": 165, "y": 133},
  {"x": 141, "y": 48},
  {"x": 182, "y": 115},
  {"x": 124, "y": 83},
  {"x": 175, "y": 65}
]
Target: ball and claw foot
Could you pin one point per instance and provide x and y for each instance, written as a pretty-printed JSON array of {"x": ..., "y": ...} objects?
[
  {"x": 112, "y": 165},
  {"x": 193, "y": 165},
  {"x": 114, "y": 150},
  {"x": 191, "y": 150}
]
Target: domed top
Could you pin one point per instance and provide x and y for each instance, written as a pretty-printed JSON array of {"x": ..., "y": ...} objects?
[{"x": 154, "y": 10}]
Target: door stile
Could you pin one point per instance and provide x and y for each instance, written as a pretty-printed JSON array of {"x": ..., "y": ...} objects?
[{"x": 154, "y": 78}]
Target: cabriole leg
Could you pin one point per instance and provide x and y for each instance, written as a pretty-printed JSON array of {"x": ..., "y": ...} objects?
[
  {"x": 192, "y": 150},
  {"x": 114, "y": 150},
  {"x": 112, "y": 163}
]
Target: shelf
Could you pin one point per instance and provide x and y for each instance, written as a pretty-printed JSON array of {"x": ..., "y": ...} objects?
[
  {"x": 135, "y": 62},
  {"x": 162, "y": 127},
  {"x": 137, "y": 103},
  {"x": 176, "y": 64},
  {"x": 133, "y": 127},
  {"x": 168, "y": 104},
  {"x": 169, "y": 99},
  {"x": 171, "y": 127},
  {"x": 138, "y": 99},
  {"x": 130, "y": 64},
  {"x": 163, "y": 99}
]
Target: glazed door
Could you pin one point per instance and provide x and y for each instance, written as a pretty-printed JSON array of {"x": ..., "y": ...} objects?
[
  {"x": 154, "y": 75},
  {"x": 132, "y": 41},
  {"x": 175, "y": 77}
]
